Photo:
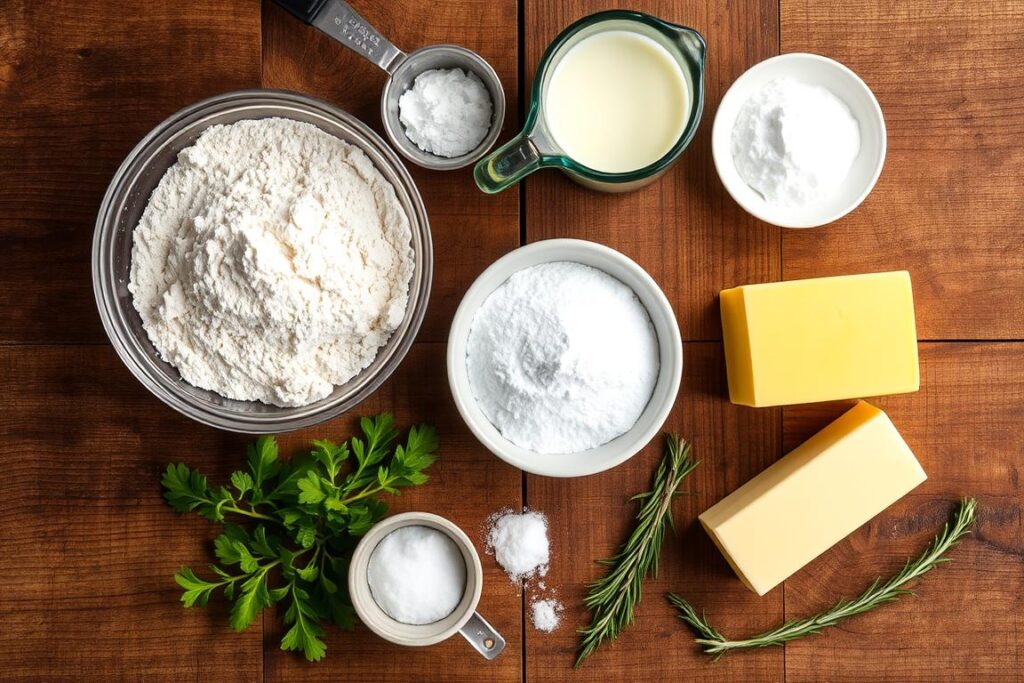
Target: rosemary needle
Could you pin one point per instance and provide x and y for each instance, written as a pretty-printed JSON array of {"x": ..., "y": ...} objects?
[
  {"x": 878, "y": 593},
  {"x": 612, "y": 598}
]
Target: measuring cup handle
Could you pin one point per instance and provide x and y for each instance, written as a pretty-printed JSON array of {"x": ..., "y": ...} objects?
[
  {"x": 510, "y": 163},
  {"x": 482, "y": 636},
  {"x": 338, "y": 20}
]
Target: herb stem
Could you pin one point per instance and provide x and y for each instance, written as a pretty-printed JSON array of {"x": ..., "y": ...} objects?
[
  {"x": 612, "y": 598},
  {"x": 250, "y": 513},
  {"x": 878, "y": 593}
]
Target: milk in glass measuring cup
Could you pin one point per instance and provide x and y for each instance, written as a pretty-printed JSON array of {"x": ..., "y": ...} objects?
[
  {"x": 338, "y": 20},
  {"x": 617, "y": 98}
]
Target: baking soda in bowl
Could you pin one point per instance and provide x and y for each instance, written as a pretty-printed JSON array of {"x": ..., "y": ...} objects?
[
  {"x": 794, "y": 142},
  {"x": 417, "y": 575},
  {"x": 562, "y": 358}
]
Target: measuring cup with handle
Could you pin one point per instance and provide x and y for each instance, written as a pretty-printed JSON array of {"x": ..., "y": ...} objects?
[
  {"x": 535, "y": 147},
  {"x": 337, "y": 19},
  {"x": 464, "y": 620}
]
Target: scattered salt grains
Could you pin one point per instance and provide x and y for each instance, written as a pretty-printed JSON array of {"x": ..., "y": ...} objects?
[
  {"x": 545, "y": 614},
  {"x": 520, "y": 543}
]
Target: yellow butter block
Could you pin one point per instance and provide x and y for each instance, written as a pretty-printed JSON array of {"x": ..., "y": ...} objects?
[
  {"x": 822, "y": 339},
  {"x": 813, "y": 498}
]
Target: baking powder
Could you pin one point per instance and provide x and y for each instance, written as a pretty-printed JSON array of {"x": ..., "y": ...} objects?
[
  {"x": 562, "y": 358},
  {"x": 794, "y": 143}
]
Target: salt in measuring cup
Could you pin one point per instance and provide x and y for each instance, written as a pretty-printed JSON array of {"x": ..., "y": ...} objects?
[
  {"x": 338, "y": 20},
  {"x": 463, "y": 620},
  {"x": 537, "y": 147}
]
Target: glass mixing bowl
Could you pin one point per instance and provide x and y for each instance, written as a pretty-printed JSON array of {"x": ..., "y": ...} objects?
[{"x": 125, "y": 201}]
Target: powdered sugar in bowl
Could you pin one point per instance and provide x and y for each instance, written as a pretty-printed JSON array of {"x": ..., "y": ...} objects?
[
  {"x": 628, "y": 384},
  {"x": 127, "y": 198}
]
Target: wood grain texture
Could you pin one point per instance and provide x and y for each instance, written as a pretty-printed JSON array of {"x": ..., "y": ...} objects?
[
  {"x": 684, "y": 229},
  {"x": 467, "y": 484},
  {"x": 470, "y": 229},
  {"x": 948, "y": 205},
  {"x": 964, "y": 427},
  {"x": 588, "y": 518},
  {"x": 80, "y": 88},
  {"x": 90, "y": 547}
]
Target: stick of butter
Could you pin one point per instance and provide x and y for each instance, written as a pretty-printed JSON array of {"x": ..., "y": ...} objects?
[
  {"x": 822, "y": 339},
  {"x": 813, "y": 498}
]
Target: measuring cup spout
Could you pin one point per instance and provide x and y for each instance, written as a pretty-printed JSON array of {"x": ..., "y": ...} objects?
[
  {"x": 690, "y": 43},
  {"x": 337, "y": 19},
  {"x": 508, "y": 164}
]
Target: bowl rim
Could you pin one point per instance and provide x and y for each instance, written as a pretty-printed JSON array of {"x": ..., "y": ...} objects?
[
  {"x": 669, "y": 374},
  {"x": 396, "y": 131},
  {"x": 721, "y": 130},
  {"x": 124, "y": 341},
  {"x": 380, "y": 622}
]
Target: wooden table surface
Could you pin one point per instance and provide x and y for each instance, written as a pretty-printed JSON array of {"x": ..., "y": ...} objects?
[{"x": 89, "y": 546}]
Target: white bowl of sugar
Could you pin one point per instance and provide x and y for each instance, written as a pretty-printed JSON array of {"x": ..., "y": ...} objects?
[
  {"x": 824, "y": 139},
  {"x": 635, "y": 411}
]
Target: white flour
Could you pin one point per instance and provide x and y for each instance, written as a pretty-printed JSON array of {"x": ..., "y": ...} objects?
[
  {"x": 794, "y": 143},
  {"x": 562, "y": 358},
  {"x": 272, "y": 262},
  {"x": 447, "y": 112}
]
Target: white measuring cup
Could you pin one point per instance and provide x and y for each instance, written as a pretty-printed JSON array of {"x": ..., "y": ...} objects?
[
  {"x": 464, "y": 619},
  {"x": 337, "y": 19}
]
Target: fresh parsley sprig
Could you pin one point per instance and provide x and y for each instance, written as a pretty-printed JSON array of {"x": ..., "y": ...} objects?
[
  {"x": 612, "y": 598},
  {"x": 308, "y": 512},
  {"x": 878, "y": 593}
]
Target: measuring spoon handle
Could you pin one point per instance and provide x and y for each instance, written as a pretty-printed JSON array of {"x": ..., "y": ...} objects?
[{"x": 337, "y": 19}]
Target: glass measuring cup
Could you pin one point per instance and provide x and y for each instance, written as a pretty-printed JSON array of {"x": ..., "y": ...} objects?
[
  {"x": 535, "y": 147},
  {"x": 337, "y": 19}
]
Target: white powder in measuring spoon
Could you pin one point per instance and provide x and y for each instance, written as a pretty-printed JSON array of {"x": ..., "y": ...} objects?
[
  {"x": 446, "y": 112},
  {"x": 562, "y": 358},
  {"x": 417, "y": 575},
  {"x": 794, "y": 143},
  {"x": 272, "y": 262},
  {"x": 520, "y": 543}
]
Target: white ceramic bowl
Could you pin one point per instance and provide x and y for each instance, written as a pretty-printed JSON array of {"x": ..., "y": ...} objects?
[
  {"x": 670, "y": 345},
  {"x": 846, "y": 85}
]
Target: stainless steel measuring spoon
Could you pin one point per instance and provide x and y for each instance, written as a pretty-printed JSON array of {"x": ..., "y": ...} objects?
[{"x": 338, "y": 20}]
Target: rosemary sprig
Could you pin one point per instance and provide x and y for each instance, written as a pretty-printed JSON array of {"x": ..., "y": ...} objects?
[
  {"x": 612, "y": 598},
  {"x": 878, "y": 593}
]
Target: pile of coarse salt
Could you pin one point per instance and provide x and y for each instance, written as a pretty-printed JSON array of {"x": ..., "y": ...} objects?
[
  {"x": 446, "y": 112},
  {"x": 520, "y": 544},
  {"x": 544, "y": 614}
]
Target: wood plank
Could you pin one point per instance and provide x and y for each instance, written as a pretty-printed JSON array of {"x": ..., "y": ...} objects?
[
  {"x": 91, "y": 547},
  {"x": 80, "y": 89},
  {"x": 590, "y": 517},
  {"x": 470, "y": 229},
  {"x": 684, "y": 230},
  {"x": 948, "y": 206},
  {"x": 467, "y": 485},
  {"x": 964, "y": 427}
]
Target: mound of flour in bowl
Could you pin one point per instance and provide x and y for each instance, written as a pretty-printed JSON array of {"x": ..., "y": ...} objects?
[{"x": 272, "y": 262}]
